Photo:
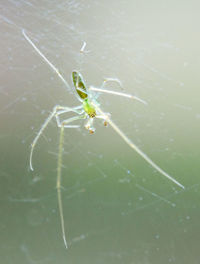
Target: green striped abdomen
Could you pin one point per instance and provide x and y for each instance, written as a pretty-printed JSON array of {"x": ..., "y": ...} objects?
[{"x": 79, "y": 85}]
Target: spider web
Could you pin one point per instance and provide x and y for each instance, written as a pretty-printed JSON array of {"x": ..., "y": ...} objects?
[{"x": 117, "y": 209}]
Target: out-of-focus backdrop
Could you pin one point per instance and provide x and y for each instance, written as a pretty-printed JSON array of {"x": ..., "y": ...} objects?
[{"x": 117, "y": 209}]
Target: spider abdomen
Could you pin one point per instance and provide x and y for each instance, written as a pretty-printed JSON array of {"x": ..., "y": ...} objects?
[{"x": 79, "y": 85}]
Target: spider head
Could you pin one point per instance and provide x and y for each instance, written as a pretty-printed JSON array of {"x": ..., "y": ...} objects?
[{"x": 79, "y": 84}]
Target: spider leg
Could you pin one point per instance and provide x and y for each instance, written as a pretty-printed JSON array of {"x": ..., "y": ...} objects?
[
  {"x": 130, "y": 96},
  {"x": 58, "y": 184},
  {"x": 102, "y": 90},
  {"x": 46, "y": 60},
  {"x": 89, "y": 125},
  {"x": 104, "y": 117},
  {"x": 133, "y": 146},
  {"x": 106, "y": 80},
  {"x": 65, "y": 122},
  {"x": 56, "y": 110},
  {"x": 62, "y": 126}
]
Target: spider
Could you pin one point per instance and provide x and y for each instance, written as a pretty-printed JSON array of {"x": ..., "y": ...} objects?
[{"x": 89, "y": 109}]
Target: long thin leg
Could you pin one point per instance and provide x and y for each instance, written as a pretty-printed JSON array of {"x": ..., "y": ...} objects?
[
  {"x": 58, "y": 184},
  {"x": 46, "y": 60},
  {"x": 62, "y": 126},
  {"x": 117, "y": 93},
  {"x": 52, "y": 114},
  {"x": 133, "y": 146}
]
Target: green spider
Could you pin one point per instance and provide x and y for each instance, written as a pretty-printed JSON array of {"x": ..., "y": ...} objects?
[{"x": 89, "y": 109}]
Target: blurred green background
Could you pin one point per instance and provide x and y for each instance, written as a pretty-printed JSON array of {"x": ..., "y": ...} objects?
[{"x": 117, "y": 209}]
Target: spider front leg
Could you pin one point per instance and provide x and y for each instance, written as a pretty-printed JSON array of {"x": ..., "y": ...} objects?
[
  {"x": 62, "y": 125},
  {"x": 136, "y": 148},
  {"x": 56, "y": 110}
]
